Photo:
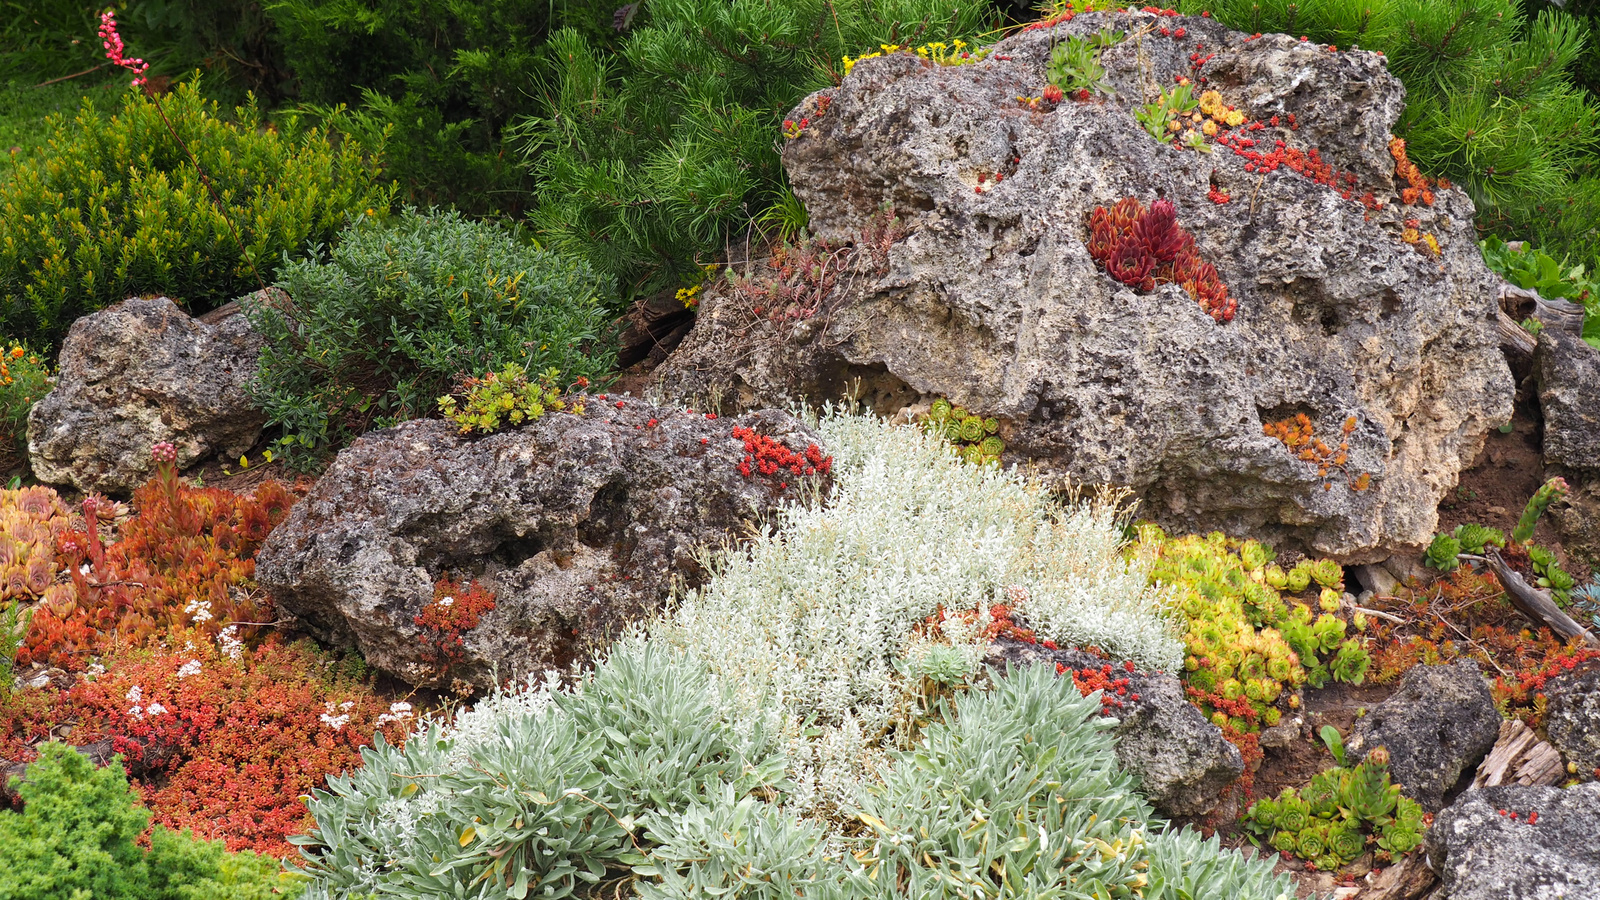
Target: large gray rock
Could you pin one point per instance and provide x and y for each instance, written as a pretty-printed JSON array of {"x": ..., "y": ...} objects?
[
  {"x": 578, "y": 524},
  {"x": 1481, "y": 853},
  {"x": 993, "y": 300},
  {"x": 1183, "y": 763},
  {"x": 1573, "y": 720},
  {"x": 136, "y": 374},
  {"x": 1437, "y": 726}
]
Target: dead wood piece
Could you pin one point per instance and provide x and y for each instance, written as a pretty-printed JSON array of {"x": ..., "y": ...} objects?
[
  {"x": 1406, "y": 880},
  {"x": 1514, "y": 339},
  {"x": 1519, "y": 757},
  {"x": 1535, "y": 604}
]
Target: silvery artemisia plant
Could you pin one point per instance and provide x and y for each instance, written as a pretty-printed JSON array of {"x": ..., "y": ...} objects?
[
  {"x": 682, "y": 761},
  {"x": 542, "y": 803}
]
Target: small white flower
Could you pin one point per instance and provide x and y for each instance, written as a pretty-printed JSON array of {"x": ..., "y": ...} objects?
[
  {"x": 192, "y": 667},
  {"x": 398, "y": 712},
  {"x": 135, "y": 694},
  {"x": 346, "y": 705},
  {"x": 446, "y": 601},
  {"x": 155, "y": 709},
  {"x": 230, "y": 644},
  {"x": 199, "y": 610},
  {"x": 334, "y": 722}
]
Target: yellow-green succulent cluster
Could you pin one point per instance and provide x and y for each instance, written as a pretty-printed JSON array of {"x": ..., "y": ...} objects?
[
  {"x": 506, "y": 397},
  {"x": 1332, "y": 820},
  {"x": 974, "y": 436},
  {"x": 1248, "y": 648}
]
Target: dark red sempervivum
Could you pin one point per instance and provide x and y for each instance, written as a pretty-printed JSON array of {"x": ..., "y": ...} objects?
[{"x": 1145, "y": 248}]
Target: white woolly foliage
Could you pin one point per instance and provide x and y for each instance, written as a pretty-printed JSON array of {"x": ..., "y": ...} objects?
[{"x": 809, "y": 618}]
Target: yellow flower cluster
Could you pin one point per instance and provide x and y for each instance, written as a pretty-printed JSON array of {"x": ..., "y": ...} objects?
[
  {"x": 952, "y": 54},
  {"x": 1220, "y": 113},
  {"x": 690, "y": 296}
]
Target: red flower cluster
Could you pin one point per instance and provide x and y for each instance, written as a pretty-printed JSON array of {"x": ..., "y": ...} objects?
[
  {"x": 457, "y": 607},
  {"x": 768, "y": 456},
  {"x": 1113, "y": 690},
  {"x": 1143, "y": 248}
]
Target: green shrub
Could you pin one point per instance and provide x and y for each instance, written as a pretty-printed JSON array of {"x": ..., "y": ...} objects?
[
  {"x": 75, "y": 838},
  {"x": 662, "y": 151},
  {"x": 381, "y": 326},
  {"x": 44, "y": 39},
  {"x": 1490, "y": 102},
  {"x": 24, "y": 380},
  {"x": 232, "y": 41},
  {"x": 445, "y": 75},
  {"x": 118, "y": 207}
]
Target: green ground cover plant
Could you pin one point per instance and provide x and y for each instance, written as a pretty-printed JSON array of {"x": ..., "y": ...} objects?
[
  {"x": 118, "y": 207},
  {"x": 76, "y": 837},
  {"x": 381, "y": 326},
  {"x": 1491, "y": 103},
  {"x": 25, "y": 110},
  {"x": 661, "y": 151}
]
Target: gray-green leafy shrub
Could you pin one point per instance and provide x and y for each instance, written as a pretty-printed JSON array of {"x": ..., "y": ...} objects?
[
  {"x": 75, "y": 838},
  {"x": 688, "y": 771},
  {"x": 650, "y": 155},
  {"x": 112, "y": 208},
  {"x": 379, "y": 327}
]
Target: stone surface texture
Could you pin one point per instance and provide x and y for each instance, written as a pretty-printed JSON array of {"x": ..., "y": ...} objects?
[
  {"x": 990, "y": 297},
  {"x": 1437, "y": 726},
  {"x": 1182, "y": 761},
  {"x": 578, "y": 524},
  {"x": 1567, "y": 371},
  {"x": 133, "y": 375},
  {"x": 1573, "y": 722},
  {"x": 1481, "y": 854}
]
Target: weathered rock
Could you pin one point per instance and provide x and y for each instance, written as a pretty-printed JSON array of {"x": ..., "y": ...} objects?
[
  {"x": 133, "y": 375},
  {"x": 1183, "y": 763},
  {"x": 1573, "y": 721},
  {"x": 1481, "y": 853},
  {"x": 993, "y": 300},
  {"x": 579, "y": 524},
  {"x": 1568, "y": 373},
  {"x": 1438, "y": 725}
]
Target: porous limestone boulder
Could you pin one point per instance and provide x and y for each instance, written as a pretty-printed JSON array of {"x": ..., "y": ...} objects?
[
  {"x": 984, "y": 291},
  {"x": 133, "y": 375},
  {"x": 1182, "y": 762},
  {"x": 577, "y": 524},
  {"x": 1439, "y": 724},
  {"x": 1547, "y": 852},
  {"x": 1573, "y": 720}
]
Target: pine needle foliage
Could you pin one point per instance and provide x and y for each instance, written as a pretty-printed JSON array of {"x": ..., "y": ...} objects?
[
  {"x": 444, "y": 77},
  {"x": 663, "y": 150},
  {"x": 1491, "y": 102}
]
